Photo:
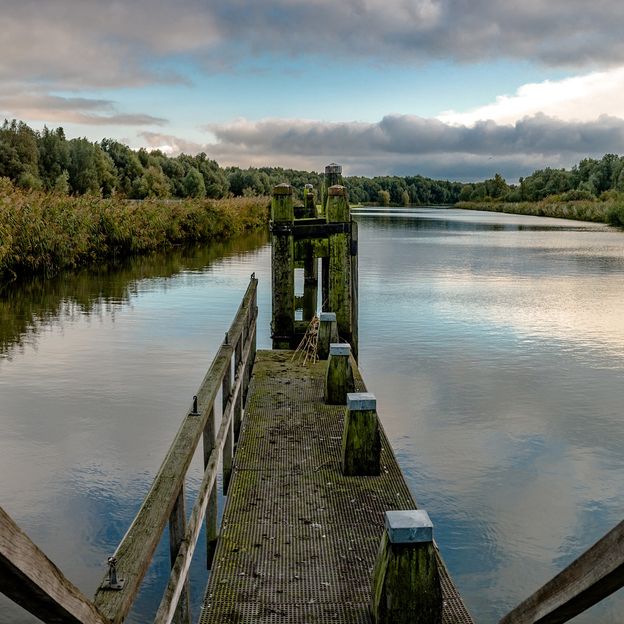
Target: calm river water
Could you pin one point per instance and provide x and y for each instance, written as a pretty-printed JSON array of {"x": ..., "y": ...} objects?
[{"x": 494, "y": 344}]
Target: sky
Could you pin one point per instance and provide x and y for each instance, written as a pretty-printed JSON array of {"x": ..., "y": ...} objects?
[{"x": 453, "y": 89}]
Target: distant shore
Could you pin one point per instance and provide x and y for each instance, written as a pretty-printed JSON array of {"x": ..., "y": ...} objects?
[{"x": 609, "y": 211}]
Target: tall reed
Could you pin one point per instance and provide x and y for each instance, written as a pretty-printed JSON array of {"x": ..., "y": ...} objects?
[{"x": 46, "y": 232}]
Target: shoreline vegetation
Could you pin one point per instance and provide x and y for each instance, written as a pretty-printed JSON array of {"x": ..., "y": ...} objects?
[
  {"x": 609, "y": 211},
  {"x": 44, "y": 233}
]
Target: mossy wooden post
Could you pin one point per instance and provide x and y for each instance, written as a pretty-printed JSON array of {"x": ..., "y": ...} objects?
[
  {"x": 340, "y": 261},
  {"x": 339, "y": 376},
  {"x": 327, "y": 333},
  {"x": 309, "y": 203},
  {"x": 310, "y": 282},
  {"x": 361, "y": 440},
  {"x": 333, "y": 176},
  {"x": 282, "y": 266},
  {"x": 406, "y": 583},
  {"x": 212, "y": 509}
]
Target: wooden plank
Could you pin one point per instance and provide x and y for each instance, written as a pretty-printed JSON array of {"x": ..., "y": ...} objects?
[
  {"x": 181, "y": 566},
  {"x": 135, "y": 552},
  {"x": 31, "y": 580},
  {"x": 596, "y": 574}
]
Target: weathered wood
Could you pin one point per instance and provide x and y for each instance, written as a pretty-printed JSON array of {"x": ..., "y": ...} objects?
[
  {"x": 31, "y": 580},
  {"x": 228, "y": 457},
  {"x": 354, "y": 290},
  {"x": 212, "y": 511},
  {"x": 406, "y": 582},
  {"x": 361, "y": 440},
  {"x": 135, "y": 552},
  {"x": 596, "y": 574},
  {"x": 177, "y": 531},
  {"x": 180, "y": 568}
]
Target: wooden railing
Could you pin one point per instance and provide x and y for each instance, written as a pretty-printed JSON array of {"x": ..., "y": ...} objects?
[
  {"x": 596, "y": 574},
  {"x": 31, "y": 580}
]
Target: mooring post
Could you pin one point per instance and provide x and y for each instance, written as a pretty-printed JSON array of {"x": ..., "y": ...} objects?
[
  {"x": 340, "y": 261},
  {"x": 406, "y": 583},
  {"x": 333, "y": 176},
  {"x": 327, "y": 334},
  {"x": 309, "y": 202},
  {"x": 212, "y": 509},
  {"x": 339, "y": 377},
  {"x": 283, "y": 266},
  {"x": 361, "y": 441},
  {"x": 177, "y": 530}
]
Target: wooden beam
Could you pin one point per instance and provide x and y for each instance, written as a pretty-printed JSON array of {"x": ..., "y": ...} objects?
[
  {"x": 596, "y": 574},
  {"x": 31, "y": 580}
]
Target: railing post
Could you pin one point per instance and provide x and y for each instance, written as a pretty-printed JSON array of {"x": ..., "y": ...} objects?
[
  {"x": 339, "y": 377},
  {"x": 177, "y": 530},
  {"x": 212, "y": 509},
  {"x": 406, "y": 583},
  {"x": 238, "y": 407},
  {"x": 361, "y": 440},
  {"x": 228, "y": 449}
]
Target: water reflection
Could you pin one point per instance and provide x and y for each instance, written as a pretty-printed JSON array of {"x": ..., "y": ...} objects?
[{"x": 494, "y": 344}]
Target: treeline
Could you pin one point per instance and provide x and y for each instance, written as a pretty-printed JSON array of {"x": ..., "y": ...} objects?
[
  {"x": 589, "y": 180},
  {"x": 48, "y": 161}
]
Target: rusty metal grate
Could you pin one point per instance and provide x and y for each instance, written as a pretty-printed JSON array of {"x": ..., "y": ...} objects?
[{"x": 299, "y": 540}]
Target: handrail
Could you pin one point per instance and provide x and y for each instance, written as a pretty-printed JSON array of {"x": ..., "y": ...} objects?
[
  {"x": 596, "y": 574},
  {"x": 135, "y": 552}
]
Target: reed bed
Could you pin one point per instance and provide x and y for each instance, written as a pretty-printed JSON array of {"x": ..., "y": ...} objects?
[
  {"x": 609, "y": 211},
  {"x": 43, "y": 233}
]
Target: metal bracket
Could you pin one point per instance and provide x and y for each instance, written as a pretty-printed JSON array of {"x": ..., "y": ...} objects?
[
  {"x": 112, "y": 582},
  {"x": 194, "y": 412}
]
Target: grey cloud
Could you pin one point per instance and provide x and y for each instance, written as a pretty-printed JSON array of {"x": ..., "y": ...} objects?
[
  {"x": 90, "y": 44},
  {"x": 41, "y": 106},
  {"x": 405, "y": 144}
]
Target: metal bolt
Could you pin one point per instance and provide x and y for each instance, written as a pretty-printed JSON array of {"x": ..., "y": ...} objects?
[
  {"x": 253, "y": 275},
  {"x": 226, "y": 338},
  {"x": 112, "y": 571},
  {"x": 194, "y": 405}
]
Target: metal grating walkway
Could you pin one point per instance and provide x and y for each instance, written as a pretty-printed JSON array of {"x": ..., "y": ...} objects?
[{"x": 298, "y": 540}]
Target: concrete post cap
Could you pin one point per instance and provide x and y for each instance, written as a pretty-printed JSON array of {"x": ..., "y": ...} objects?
[
  {"x": 411, "y": 526},
  {"x": 308, "y": 186},
  {"x": 361, "y": 402},
  {"x": 340, "y": 348},
  {"x": 327, "y": 317}
]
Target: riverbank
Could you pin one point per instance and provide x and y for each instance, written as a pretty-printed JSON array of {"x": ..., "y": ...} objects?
[
  {"x": 610, "y": 211},
  {"x": 44, "y": 233}
]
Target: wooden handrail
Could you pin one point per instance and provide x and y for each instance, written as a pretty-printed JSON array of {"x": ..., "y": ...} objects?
[
  {"x": 596, "y": 574},
  {"x": 182, "y": 563},
  {"x": 135, "y": 552}
]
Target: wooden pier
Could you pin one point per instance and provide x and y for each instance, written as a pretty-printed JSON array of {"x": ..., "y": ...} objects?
[
  {"x": 319, "y": 524},
  {"x": 298, "y": 540}
]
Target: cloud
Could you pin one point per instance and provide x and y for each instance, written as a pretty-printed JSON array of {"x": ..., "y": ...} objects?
[
  {"x": 40, "y": 106},
  {"x": 579, "y": 98},
  {"x": 409, "y": 144},
  {"x": 69, "y": 44}
]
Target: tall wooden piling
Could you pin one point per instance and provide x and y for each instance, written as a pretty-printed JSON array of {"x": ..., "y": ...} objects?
[
  {"x": 282, "y": 266},
  {"x": 340, "y": 287}
]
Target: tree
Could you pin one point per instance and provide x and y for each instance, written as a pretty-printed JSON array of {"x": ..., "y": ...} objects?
[{"x": 194, "y": 184}]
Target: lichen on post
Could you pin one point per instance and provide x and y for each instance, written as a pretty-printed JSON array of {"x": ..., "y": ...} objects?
[
  {"x": 282, "y": 265},
  {"x": 339, "y": 377},
  {"x": 327, "y": 333},
  {"x": 406, "y": 582},
  {"x": 361, "y": 441}
]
